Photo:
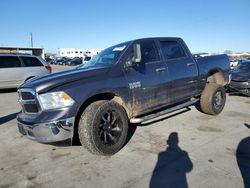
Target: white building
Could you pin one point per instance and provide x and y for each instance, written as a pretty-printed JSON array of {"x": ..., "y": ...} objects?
[
  {"x": 74, "y": 52},
  {"x": 240, "y": 55}
]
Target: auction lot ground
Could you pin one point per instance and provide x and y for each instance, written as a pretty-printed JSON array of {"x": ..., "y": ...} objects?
[{"x": 205, "y": 155}]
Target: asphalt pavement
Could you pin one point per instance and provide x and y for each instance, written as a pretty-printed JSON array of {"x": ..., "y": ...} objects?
[{"x": 183, "y": 149}]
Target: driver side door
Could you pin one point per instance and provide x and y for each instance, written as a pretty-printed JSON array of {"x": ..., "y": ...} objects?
[{"x": 147, "y": 80}]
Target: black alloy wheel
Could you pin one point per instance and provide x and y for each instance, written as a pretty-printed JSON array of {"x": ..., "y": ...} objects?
[
  {"x": 110, "y": 128},
  {"x": 103, "y": 127}
]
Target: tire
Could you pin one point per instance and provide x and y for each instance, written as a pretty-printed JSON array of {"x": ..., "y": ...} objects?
[
  {"x": 213, "y": 99},
  {"x": 103, "y": 128}
]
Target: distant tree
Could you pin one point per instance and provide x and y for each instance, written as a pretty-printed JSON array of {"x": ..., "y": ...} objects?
[{"x": 228, "y": 52}]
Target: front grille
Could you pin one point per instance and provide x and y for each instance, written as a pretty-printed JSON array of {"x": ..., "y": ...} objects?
[
  {"x": 28, "y": 101},
  {"x": 27, "y": 96},
  {"x": 31, "y": 108}
]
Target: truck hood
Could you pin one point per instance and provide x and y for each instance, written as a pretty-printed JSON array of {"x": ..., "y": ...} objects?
[
  {"x": 241, "y": 76},
  {"x": 46, "y": 83}
]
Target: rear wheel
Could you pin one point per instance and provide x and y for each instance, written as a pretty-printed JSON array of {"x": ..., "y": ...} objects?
[
  {"x": 213, "y": 99},
  {"x": 103, "y": 127}
]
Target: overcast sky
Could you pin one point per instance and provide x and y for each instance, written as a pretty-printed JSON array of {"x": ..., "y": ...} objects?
[{"x": 209, "y": 26}]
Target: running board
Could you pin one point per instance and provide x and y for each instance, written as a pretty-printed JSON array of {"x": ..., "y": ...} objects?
[{"x": 166, "y": 111}]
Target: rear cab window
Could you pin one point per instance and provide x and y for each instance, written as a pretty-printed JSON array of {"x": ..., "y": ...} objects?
[
  {"x": 31, "y": 62},
  {"x": 10, "y": 62},
  {"x": 172, "y": 50}
]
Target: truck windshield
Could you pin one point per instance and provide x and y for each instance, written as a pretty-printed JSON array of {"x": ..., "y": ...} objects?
[{"x": 107, "y": 57}]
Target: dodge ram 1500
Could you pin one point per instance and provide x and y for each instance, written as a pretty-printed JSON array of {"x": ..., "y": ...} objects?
[{"x": 128, "y": 83}]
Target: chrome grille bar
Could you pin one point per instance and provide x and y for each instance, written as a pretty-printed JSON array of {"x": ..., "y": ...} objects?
[{"x": 28, "y": 101}]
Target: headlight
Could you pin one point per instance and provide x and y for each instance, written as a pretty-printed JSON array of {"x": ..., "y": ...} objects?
[{"x": 54, "y": 100}]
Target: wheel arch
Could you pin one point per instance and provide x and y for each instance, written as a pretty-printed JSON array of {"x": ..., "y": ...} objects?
[
  {"x": 98, "y": 97},
  {"x": 30, "y": 77},
  {"x": 216, "y": 76}
]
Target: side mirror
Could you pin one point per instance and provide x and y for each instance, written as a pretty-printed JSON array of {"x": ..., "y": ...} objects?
[{"x": 137, "y": 53}]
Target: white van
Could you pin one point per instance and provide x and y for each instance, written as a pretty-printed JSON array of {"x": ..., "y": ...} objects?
[{"x": 15, "y": 69}]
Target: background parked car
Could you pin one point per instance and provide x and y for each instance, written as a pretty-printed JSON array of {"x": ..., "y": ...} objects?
[
  {"x": 60, "y": 60},
  {"x": 240, "y": 80},
  {"x": 233, "y": 64},
  {"x": 75, "y": 61},
  {"x": 15, "y": 69},
  {"x": 50, "y": 61},
  {"x": 65, "y": 62},
  {"x": 86, "y": 59}
]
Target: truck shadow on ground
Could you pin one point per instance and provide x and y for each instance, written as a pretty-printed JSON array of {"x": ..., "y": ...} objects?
[
  {"x": 197, "y": 105},
  {"x": 238, "y": 95},
  {"x": 172, "y": 166},
  {"x": 8, "y": 118},
  {"x": 8, "y": 90},
  {"x": 243, "y": 159}
]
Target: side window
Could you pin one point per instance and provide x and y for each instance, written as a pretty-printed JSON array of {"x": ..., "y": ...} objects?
[
  {"x": 130, "y": 54},
  {"x": 9, "y": 62},
  {"x": 31, "y": 62},
  {"x": 172, "y": 50},
  {"x": 148, "y": 51}
]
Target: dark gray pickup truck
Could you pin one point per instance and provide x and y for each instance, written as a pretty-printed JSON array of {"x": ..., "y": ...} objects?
[{"x": 128, "y": 83}]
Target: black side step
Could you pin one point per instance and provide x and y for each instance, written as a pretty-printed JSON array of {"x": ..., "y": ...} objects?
[{"x": 163, "y": 112}]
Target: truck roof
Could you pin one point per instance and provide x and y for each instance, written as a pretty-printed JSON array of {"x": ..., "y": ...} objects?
[{"x": 159, "y": 38}]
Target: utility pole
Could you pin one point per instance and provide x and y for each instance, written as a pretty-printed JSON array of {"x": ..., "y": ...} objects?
[{"x": 31, "y": 40}]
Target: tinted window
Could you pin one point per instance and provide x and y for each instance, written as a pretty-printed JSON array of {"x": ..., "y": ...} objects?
[
  {"x": 172, "y": 50},
  {"x": 9, "y": 61},
  {"x": 31, "y": 62},
  {"x": 148, "y": 51}
]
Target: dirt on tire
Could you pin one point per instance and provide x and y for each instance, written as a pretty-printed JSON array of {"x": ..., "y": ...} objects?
[{"x": 207, "y": 100}]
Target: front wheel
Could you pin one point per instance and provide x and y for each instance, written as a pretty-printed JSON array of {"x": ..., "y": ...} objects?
[
  {"x": 103, "y": 127},
  {"x": 213, "y": 99}
]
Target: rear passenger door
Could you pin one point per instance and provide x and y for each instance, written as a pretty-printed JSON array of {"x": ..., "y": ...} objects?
[
  {"x": 33, "y": 67},
  {"x": 11, "y": 71},
  {"x": 182, "y": 69}
]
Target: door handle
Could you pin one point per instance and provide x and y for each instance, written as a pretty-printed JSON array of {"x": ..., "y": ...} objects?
[
  {"x": 160, "y": 69},
  {"x": 190, "y": 64}
]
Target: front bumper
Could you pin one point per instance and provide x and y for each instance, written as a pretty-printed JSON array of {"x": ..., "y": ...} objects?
[
  {"x": 48, "y": 132},
  {"x": 241, "y": 87}
]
